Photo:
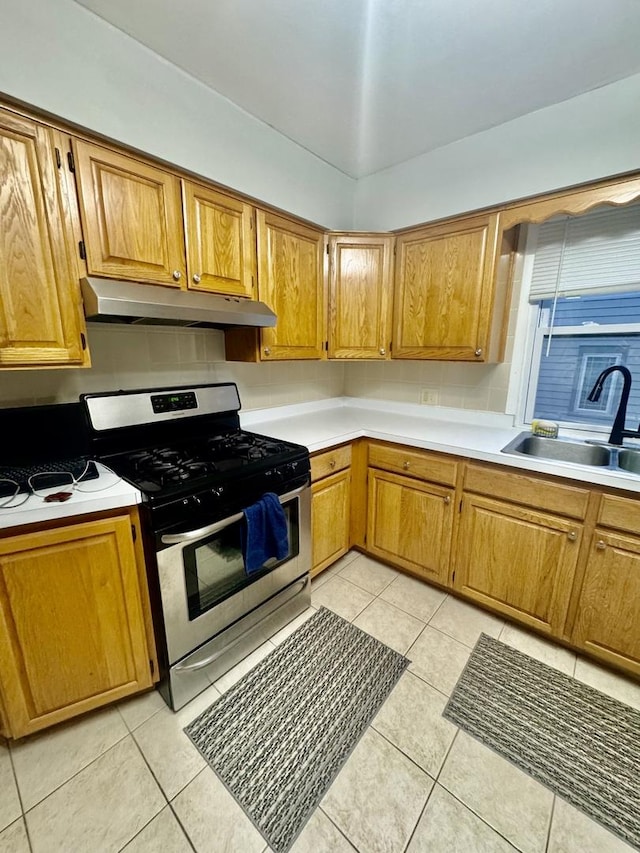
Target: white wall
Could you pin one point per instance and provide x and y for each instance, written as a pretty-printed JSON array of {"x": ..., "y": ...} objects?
[
  {"x": 588, "y": 137},
  {"x": 62, "y": 58}
]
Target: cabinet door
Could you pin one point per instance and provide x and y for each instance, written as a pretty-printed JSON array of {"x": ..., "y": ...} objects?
[
  {"x": 359, "y": 296},
  {"x": 444, "y": 290},
  {"x": 291, "y": 282},
  {"x": 516, "y": 560},
  {"x": 330, "y": 508},
  {"x": 131, "y": 217},
  {"x": 41, "y": 319},
  {"x": 72, "y": 634},
  {"x": 220, "y": 241},
  {"x": 608, "y": 616},
  {"x": 410, "y": 524}
]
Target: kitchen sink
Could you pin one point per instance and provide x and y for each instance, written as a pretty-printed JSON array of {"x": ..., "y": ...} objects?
[
  {"x": 629, "y": 460},
  {"x": 563, "y": 450}
]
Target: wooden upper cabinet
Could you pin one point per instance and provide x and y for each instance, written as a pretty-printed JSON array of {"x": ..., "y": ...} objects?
[
  {"x": 131, "y": 217},
  {"x": 41, "y": 321},
  {"x": 291, "y": 282},
  {"x": 360, "y": 295},
  {"x": 220, "y": 241},
  {"x": 445, "y": 285}
]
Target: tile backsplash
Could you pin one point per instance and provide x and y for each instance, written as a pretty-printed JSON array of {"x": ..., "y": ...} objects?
[{"x": 126, "y": 357}]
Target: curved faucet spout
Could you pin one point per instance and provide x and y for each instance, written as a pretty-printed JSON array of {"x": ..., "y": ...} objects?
[{"x": 618, "y": 432}]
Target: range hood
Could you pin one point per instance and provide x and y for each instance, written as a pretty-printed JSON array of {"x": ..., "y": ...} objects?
[{"x": 113, "y": 301}]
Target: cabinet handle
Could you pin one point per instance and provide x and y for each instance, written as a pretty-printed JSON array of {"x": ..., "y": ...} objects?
[
  {"x": 332, "y": 464},
  {"x": 447, "y": 499},
  {"x": 600, "y": 545},
  {"x": 406, "y": 465},
  {"x": 267, "y": 350},
  {"x": 572, "y": 536},
  {"x": 177, "y": 275},
  {"x": 478, "y": 352},
  {"x": 382, "y": 351},
  {"x": 196, "y": 278}
]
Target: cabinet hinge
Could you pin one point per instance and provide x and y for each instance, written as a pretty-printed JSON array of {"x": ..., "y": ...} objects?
[
  {"x": 82, "y": 250},
  {"x": 83, "y": 340},
  {"x": 134, "y": 532},
  {"x": 327, "y": 248},
  {"x": 390, "y": 346},
  {"x": 71, "y": 161},
  {"x": 152, "y": 667},
  {"x": 453, "y": 576},
  {"x": 58, "y": 158},
  {"x": 325, "y": 346},
  {"x": 460, "y": 507}
]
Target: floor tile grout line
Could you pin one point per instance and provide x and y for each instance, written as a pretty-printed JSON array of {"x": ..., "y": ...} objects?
[
  {"x": 479, "y": 816},
  {"x": 553, "y": 809},
  {"x": 77, "y": 773},
  {"x": 422, "y": 811},
  {"x": 333, "y": 823}
]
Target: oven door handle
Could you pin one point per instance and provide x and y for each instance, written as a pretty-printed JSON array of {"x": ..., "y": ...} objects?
[{"x": 210, "y": 529}]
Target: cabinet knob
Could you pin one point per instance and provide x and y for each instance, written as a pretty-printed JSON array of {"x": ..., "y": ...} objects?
[
  {"x": 177, "y": 275},
  {"x": 382, "y": 351},
  {"x": 406, "y": 465},
  {"x": 600, "y": 545},
  {"x": 196, "y": 278},
  {"x": 478, "y": 352},
  {"x": 447, "y": 499},
  {"x": 267, "y": 350},
  {"x": 332, "y": 464},
  {"x": 572, "y": 536}
]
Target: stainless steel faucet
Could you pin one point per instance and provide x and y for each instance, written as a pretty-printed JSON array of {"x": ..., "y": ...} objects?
[{"x": 618, "y": 432}]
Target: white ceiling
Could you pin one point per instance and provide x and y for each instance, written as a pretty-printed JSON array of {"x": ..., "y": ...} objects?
[{"x": 367, "y": 84}]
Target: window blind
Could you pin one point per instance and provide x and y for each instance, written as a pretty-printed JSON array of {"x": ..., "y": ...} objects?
[{"x": 595, "y": 253}]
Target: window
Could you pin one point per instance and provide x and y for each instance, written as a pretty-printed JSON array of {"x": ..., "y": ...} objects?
[{"x": 584, "y": 293}]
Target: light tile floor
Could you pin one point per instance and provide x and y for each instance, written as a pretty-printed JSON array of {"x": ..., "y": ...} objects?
[{"x": 127, "y": 777}]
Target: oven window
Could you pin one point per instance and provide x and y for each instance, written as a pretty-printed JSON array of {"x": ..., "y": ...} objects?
[{"x": 214, "y": 567}]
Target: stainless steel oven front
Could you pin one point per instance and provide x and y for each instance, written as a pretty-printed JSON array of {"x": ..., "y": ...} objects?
[{"x": 215, "y": 612}]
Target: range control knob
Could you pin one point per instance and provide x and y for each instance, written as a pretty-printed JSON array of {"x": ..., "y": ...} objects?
[{"x": 217, "y": 491}]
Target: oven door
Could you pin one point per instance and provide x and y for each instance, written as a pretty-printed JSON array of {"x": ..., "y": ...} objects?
[{"x": 203, "y": 582}]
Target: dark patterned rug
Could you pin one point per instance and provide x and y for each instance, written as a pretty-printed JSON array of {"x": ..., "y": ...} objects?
[
  {"x": 578, "y": 742},
  {"x": 278, "y": 738}
]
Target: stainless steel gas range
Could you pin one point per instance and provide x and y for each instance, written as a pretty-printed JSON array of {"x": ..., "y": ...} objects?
[{"x": 197, "y": 470}]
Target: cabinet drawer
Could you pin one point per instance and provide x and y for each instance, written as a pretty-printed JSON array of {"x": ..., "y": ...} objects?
[
  {"x": 323, "y": 464},
  {"x": 620, "y": 513},
  {"x": 530, "y": 491},
  {"x": 413, "y": 463}
]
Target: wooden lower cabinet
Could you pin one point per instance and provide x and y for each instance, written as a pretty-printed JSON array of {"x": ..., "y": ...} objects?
[
  {"x": 517, "y": 560},
  {"x": 330, "y": 516},
  {"x": 608, "y": 616},
  {"x": 410, "y": 523},
  {"x": 73, "y": 634},
  {"x": 330, "y": 506}
]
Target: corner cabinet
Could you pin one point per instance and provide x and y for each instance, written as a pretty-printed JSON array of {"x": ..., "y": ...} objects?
[
  {"x": 74, "y": 621},
  {"x": 41, "y": 320},
  {"x": 360, "y": 295},
  {"x": 451, "y": 291},
  {"x": 291, "y": 280}
]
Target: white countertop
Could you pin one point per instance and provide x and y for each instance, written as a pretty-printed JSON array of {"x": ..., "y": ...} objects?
[
  {"x": 106, "y": 492},
  {"x": 476, "y": 435}
]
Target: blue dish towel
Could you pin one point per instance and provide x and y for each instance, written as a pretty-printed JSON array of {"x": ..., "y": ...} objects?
[{"x": 265, "y": 533}]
